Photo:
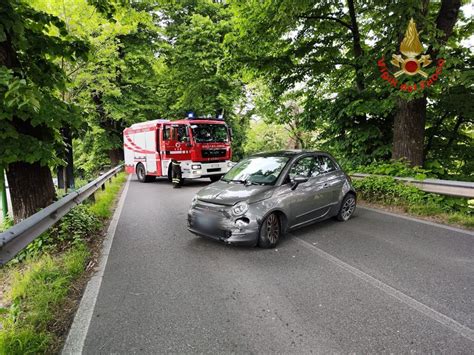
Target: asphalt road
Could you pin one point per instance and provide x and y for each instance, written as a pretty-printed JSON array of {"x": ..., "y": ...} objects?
[{"x": 374, "y": 284}]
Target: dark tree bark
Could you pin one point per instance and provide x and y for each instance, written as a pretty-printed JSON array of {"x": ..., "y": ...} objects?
[
  {"x": 31, "y": 188},
  {"x": 436, "y": 127},
  {"x": 409, "y": 124},
  {"x": 409, "y": 131},
  {"x": 458, "y": 124},
  {"x": 31, "y": 185},
  {"x": 356, "y": 45},
  {"x": 66, "y": 173},
  {"x": 115, "y": 155}
]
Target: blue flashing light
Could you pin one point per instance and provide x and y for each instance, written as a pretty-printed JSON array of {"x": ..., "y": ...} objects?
[{"x": 190, "y": 114}]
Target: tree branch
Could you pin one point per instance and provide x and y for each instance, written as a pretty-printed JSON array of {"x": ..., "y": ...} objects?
[{"x": 330, "y": 18}]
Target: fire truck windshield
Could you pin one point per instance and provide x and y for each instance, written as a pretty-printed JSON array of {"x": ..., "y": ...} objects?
[{"x": 205, "y": 133}]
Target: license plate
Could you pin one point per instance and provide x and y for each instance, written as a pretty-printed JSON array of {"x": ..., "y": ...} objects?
[{"x": 205, "y": 222}]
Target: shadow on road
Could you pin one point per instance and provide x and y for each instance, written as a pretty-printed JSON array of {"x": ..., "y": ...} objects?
[{"x": 206, "y": 244}]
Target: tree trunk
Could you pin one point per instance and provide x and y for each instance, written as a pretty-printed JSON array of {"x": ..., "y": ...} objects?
[
  {"x": 358, "y": 52},
  {"x": 409, "y": 131},
  {"x": 409, "y": 125},
  {"x": 115, "y": 155},
  {"x": 66, "y": 173},
  {"x": 67, "y": 136},
  {"x": 31, "y": 188}
]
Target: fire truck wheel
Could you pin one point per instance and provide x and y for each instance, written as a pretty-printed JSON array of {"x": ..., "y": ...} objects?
[
  {"x": 215, "y": 178},
  {"x": 141, "y": 174}
]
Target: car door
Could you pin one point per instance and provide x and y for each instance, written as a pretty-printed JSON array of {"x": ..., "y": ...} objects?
[
  {"x": 309, "y": 199},
  {"x": 332, "y": 179}
]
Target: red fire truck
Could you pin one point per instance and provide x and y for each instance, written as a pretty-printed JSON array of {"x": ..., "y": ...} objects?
[{"x": 201, "y": 145}]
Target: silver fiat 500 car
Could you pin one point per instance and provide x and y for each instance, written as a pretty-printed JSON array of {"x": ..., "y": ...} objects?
[{"x": 267, "y": 194}]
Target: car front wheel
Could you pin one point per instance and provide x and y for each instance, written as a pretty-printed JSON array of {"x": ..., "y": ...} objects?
[
  {"x": 348, "y": 206},
  {"x": 270, "y": 231}
]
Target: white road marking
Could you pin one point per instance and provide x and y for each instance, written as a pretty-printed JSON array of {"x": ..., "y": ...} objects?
[
  {"x": 78, "y": 332},
  {"x": 448, "y": 322},
  {"x": 454, "y": 229}
]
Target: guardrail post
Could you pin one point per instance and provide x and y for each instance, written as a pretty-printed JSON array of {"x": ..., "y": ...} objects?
[
  {"x": 3, "y": 192},
  {"x": 103, "y": 186}
]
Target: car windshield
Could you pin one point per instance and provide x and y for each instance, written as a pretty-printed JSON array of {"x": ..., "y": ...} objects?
[
  {"x": 205, "y": 133},
  {"x": 257, "y": 170}
]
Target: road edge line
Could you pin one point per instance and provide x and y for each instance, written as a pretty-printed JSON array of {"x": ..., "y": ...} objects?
[
  {"x": 78, "y": 332},
  {"x": 429, "y": 312},
  {"x": 414, "y": 219}
]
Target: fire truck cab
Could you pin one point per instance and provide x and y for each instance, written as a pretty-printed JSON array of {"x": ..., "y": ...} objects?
[{"x": 202, "y": 146}]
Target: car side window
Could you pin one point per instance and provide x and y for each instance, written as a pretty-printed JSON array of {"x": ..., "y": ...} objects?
[
  {"x": 303, "y": 167},
  {"x": 325, "y": 165}
]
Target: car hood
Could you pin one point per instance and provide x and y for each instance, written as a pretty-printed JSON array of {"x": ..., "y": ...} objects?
[{"x": 224, "y": 193}]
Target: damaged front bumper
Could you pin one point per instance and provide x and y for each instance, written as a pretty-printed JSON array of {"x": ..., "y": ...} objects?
[{"x": 215, "y": 222}]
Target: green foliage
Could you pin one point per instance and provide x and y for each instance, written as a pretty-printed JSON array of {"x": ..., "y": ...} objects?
[
  {"x": 36, "y": 295},
  {"x": 30, "y": 77},
  {"x": 388, "y": 191},
  {"x": 395, "y": 168},
  {"x": 263, "y": 137},
  {"x": 433, "y": 169},
  {"x": 312, "y": 54},
  {"x": 6, "y": 223}
]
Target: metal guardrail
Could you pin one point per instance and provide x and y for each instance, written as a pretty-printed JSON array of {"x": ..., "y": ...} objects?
[
  {"x": 443, "y": 187},
  {"x": 15, "y": 239}
]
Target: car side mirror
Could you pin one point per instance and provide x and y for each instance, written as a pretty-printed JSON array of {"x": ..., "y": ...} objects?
[{"x": 298, "y": 180}]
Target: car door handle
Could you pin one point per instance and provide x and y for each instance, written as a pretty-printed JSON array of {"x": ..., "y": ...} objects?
[{"x": 325, "y": 185}]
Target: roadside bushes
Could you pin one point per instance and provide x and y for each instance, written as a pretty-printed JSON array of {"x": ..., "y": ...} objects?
[
  {"x": 432, "y": 169},
  {"x": 74, "y": 228},
  {"x": 37, "y": 283},
  {"x": 388, "y": 191},
  {"x": 77, "y": 226}
]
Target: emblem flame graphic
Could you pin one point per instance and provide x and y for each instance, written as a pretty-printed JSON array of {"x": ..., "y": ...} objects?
[{"x": 411, "y": 47}]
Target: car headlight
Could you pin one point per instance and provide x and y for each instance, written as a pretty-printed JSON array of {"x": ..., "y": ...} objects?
[
  {"x": 240, "y": 208},
  {"x": 196, "y": 166},
  {"x": 194, "y": 201}
]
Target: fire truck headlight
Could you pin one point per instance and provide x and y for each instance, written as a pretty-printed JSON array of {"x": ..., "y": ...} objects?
[
  {"x": 230, "y": 164},
  {"x": 196, "y": 166},
  {"x": 240, "y": 208}
]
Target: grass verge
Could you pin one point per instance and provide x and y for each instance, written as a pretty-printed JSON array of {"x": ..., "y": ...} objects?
[{"x": 35, "y": 305}]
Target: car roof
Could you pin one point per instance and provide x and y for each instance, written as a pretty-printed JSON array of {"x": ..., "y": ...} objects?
[{"x": 288, "y": 153}]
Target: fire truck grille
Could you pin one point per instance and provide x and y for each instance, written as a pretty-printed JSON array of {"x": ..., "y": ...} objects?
[{"x": 213, "y": 153}]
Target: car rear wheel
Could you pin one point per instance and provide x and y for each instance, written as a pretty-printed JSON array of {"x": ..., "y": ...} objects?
[
  {"x": 348, "y": 206},
  {"x": 270, "y": 231}
]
